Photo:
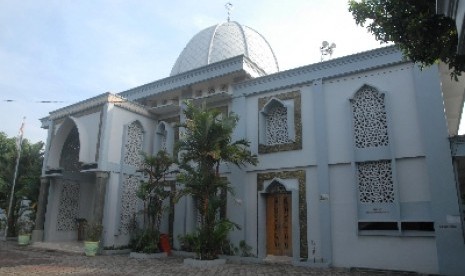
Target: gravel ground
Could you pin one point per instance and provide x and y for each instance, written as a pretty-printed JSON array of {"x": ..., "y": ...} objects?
[{"x": 26, "y": 260}]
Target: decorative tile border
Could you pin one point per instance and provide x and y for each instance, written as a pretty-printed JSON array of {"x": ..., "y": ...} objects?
[{"x": 297, "y": 144}]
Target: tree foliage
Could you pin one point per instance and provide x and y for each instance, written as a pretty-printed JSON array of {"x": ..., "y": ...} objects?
[
  {"x": 29, "y": 171},
  {"x": 413, "y": 25},
  {"x": 205, "y": 144},
  {"x": 153, "y": 194}
]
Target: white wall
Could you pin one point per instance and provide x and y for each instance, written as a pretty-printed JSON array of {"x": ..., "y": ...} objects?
[
  {"x": 110, "y": 219},
  {"x": 119, "y": 118},
  {"x": 396, "y": 83},
  {"x": 383, "y": 252},
  {"x": 348, "y": 248},
  {"x": 90, "y": 126}
]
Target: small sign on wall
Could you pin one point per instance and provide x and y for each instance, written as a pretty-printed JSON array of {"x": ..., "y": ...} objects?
[{"x": 379, "y": 212}]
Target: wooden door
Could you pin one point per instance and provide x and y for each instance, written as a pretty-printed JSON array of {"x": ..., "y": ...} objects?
[{"x": 278, "y": 224}]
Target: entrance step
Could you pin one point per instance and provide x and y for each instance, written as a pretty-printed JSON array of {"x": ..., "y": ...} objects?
[
  {"x": 69, "y": 247},
  {"x": 278, "y": 259}
]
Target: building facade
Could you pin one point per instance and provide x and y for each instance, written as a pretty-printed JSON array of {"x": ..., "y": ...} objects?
[{"x": 355, "y": 167}]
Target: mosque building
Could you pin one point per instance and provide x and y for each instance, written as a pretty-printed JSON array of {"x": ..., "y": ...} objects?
[{"x": 355, "y": 162}]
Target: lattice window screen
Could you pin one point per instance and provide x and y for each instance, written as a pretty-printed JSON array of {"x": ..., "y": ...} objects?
[
  {"x": 276, "y": 187},
  {"x": 69, "y": 159},
  {"x": 68, "y": 207},
  {"x": 276, "y": 126},
  {"x": 370, "y": 121},
  {"x": 375, "y": 182},
  {"x": 163, "y": 140},
  {"x": 128, "y": 203},
  {"x": 133, "y": 146}
]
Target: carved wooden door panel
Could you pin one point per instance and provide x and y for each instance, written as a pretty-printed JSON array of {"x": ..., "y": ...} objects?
[{"x": 278, "y": 224}]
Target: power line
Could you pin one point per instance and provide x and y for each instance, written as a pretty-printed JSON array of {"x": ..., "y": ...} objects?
[{"x": 43, "y": 101}]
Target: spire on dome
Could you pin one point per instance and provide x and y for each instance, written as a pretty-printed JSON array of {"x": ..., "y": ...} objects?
[{"x": 229, "y": 7}]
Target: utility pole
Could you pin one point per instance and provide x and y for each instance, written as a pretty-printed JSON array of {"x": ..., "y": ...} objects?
[{"x": 19, "y": 141}]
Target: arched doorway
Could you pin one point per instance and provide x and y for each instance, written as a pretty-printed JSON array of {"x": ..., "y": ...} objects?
[
  {"x": 69, "y": 188},
  {"x": 278, "y": 220}
]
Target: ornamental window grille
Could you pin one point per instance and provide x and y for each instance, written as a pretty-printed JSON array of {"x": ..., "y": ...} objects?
[
  {"x": 276, "y": 188},
  {"x": 276, "y": 126},
  {"x": 69, "y": 159},
  {"x": 278, "y": 123},
  {"x": 163, "y": 141},
  {"x": 68, "y": 207},
  {"x": 369, "y": 117},
  {"x": 128, "y": 203},
  {"x": 133, "y": 145},
  {"x": 375, "y": 182}
]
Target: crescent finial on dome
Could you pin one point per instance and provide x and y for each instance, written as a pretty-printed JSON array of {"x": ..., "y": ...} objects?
[{"x": 229, "y": 7}]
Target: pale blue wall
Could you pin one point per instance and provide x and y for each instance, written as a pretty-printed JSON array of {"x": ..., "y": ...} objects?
[{"x": 444, "y": 202}]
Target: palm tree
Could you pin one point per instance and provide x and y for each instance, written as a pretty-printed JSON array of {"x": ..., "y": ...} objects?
[
  {"x": 205, "y": 144},
  {"x": 152, "y": 192}
]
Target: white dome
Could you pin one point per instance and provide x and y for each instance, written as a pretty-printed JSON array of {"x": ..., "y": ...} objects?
[{"x": 225, "y": 41}]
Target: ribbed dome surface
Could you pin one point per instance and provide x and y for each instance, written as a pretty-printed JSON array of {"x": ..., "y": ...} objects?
[{"x": 225, "y": 41}]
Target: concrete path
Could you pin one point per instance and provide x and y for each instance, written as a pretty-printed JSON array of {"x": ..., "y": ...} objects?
[{"x": 29, "y": 260}]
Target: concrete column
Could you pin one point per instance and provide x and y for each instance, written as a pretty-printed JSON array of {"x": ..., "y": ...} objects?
[
  {"x": 38, "y": 232},
  {"x": 323, "y": 173},
  {"x": 237, "y": 212},
  {"x": 101, "y": 181}
]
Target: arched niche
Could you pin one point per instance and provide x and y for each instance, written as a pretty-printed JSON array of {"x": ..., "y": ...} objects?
[{"x": 60, "y": 138}]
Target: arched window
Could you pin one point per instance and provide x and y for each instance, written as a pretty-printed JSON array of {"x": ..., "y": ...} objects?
[
  {"x": 277, "y": 120},
  {"x": 164, "y": 139},
  {"x": 369, "y": 118},
  {"x": 162, "y": 136},
  {"x": 69, "y": 159}
]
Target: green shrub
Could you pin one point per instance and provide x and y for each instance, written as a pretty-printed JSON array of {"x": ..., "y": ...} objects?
[
  {"x": 146, "y": 241},
  {"x": 93, "y": 232},
  {"x": 189, "y": 242},
  {"x": 246, "y": 250}
]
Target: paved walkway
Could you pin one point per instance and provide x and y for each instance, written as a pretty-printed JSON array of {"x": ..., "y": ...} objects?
[{"x": 28, "y": 260}]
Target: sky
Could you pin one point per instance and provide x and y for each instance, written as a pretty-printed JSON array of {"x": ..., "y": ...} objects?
[{"x": 66, "y": 51}]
